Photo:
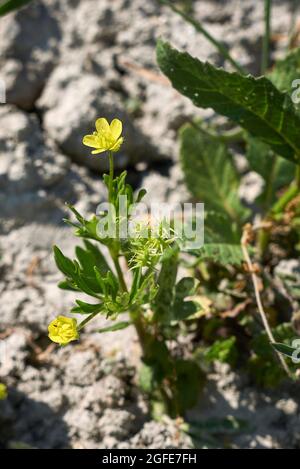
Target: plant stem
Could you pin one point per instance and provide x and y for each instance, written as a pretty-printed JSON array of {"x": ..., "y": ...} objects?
[
  {"x": 244, "y": 244},
  {"x": 266, "y": 38},
  {"x": 198, "y": 26},
  {"x": 133, "y": 316},
  {"x": 281, "y": 203},
  {"x": 111, "y": 176},
  {"x": 86, "y": 320},
  {"x": 262, "y": 241},
  {"x": 119, "y": 272}
]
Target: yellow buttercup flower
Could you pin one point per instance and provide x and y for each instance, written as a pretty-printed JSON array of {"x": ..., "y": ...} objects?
[
  {"x": 107, "y": 137},
  {"x": 3, "y": 391},
  {"x": 63, "y": 330}
]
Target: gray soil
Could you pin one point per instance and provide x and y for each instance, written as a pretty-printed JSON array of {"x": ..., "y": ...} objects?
[{"x": 65, "y": 63}]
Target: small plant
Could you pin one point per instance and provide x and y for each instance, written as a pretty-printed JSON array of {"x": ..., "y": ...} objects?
[
  {"x": 263, "y": 122},
  {"x": 139, "y": 278}
]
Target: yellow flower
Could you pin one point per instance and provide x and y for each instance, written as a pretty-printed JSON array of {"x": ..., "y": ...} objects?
[
  {"x": 106, "y": 137},
  {"x": 63, "y": 330},
  {"x": 3, "y": 391}
]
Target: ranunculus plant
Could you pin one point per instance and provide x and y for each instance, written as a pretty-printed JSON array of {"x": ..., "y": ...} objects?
[{"x": 135, "y": 285}]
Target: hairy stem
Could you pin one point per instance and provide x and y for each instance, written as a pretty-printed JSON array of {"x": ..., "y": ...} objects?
[{"x": 244, "y": 244}]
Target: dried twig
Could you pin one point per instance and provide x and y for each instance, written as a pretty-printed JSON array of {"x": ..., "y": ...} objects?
[{"x": 246, "y": 238}]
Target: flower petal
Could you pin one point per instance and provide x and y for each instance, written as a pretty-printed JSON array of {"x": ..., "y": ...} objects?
[
  {"x": 116, "y": 128},
  {"x": 99, "y": 150},
  {"x": 102, "y": 126},
  {"x": 90, "y": 141},
  {"x": 117, "y": 145}
]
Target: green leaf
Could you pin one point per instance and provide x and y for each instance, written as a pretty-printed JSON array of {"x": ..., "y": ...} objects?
[
  {"x": 189, "y": 383},
  {"x": 285, "y": 349},
  {"x": 65, "y": 265},
  {"x": 7, "y": 6},
  {"x": 210, "y": 173},
  {"x": 183, "y": 309},
  {"x": 98, "y": 258},
  {"x": 253, "y": 103},
  {"x": 86, "y": 285},
  {"x": 275, "y": 170},
  {"x": 146, "y": 378},
  {"x": 87, "y": 272},
  {"x": 157, "y": 355},
  {"x": 224, "y": 351},
  {"x": 224, "y": 254},
  {"x": 163, "y": 300},
  {"x": 135, "y": 283},
  {"x": 78, "y": 216},
  {"x": 86, "y": 308},
  {"x": 141, "y": 194},
  {"x": 115, "y": 327},
  {"x": 89, "y": 258},
  {"x": 218, "y": 228},
  {"x": 263, "y": 364},
  {"x": 285, "y": 71},
  {"x": 67, "y": 285}
]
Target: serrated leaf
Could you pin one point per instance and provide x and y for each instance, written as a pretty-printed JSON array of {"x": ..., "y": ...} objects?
[
  {"x": 224, "y": 254},
  {"x": 7, "y": 6},
  {"x": 210, "y": 173},
  {"x": 253, "y": 103},
  {"x": 115, "y": 327}
]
